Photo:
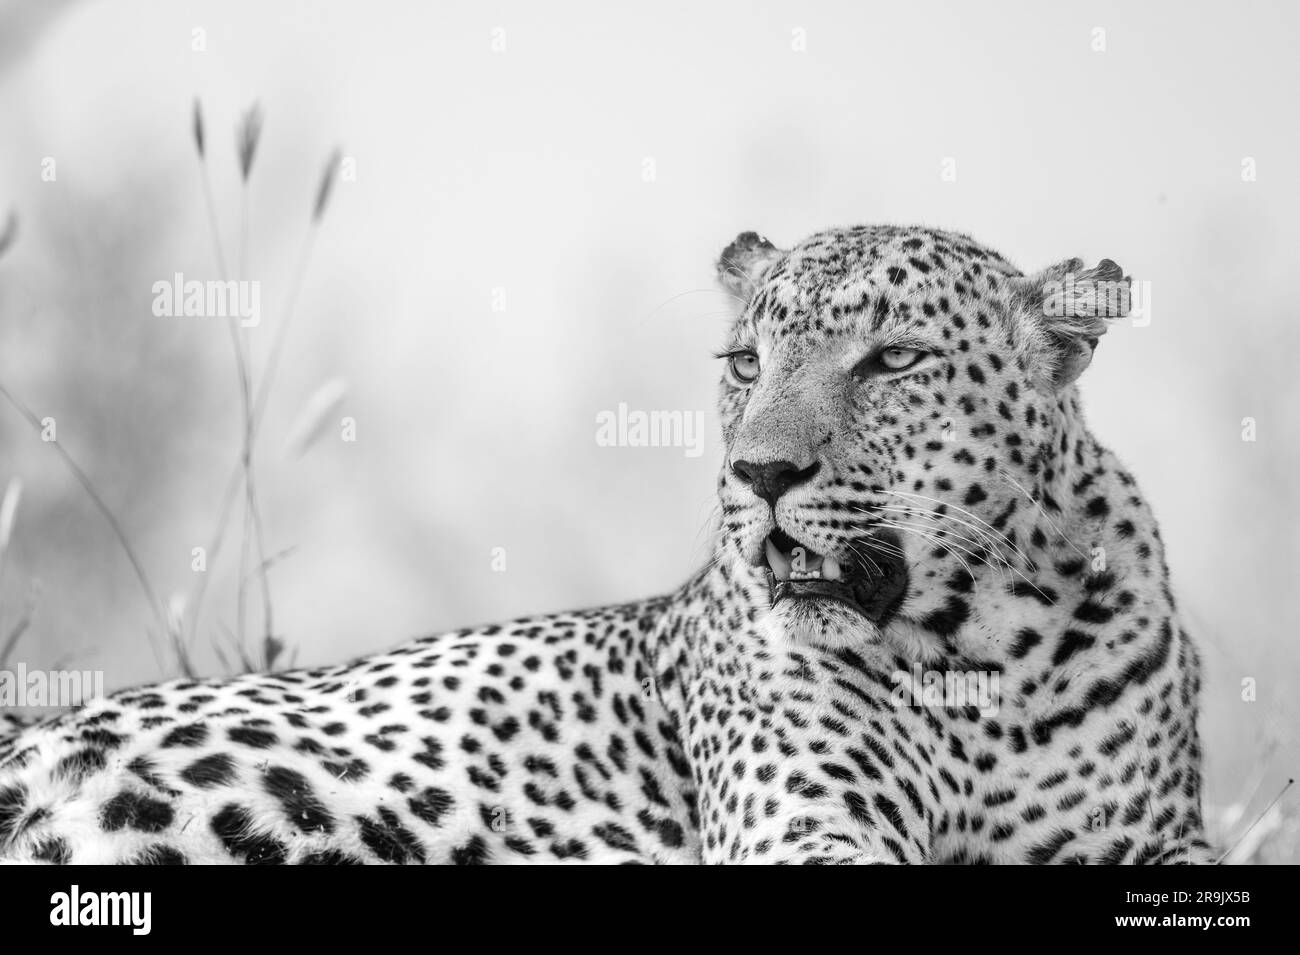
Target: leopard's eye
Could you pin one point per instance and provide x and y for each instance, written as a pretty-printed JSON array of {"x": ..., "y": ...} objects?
[
  {"x": 744, "y": 366},
  {"x": 889, "y": 361},
  {"x": 897, "y": 359}
]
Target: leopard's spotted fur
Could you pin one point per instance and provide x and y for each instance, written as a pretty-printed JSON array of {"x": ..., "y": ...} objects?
[{"x": 710, "y": 725}]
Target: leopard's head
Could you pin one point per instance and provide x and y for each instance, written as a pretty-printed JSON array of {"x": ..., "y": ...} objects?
[{"x": 892, "y": 399}]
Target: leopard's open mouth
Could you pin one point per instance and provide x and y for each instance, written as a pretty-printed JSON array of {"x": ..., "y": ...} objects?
[{"x": 871, "y": 578}]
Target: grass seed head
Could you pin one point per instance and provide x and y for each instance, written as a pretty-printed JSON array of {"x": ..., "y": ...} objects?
[
  {"x": 8, "y": 232},
  {"x": 246, "y": 137},
  {"x": 326, "y": 184},
  {"x": 198, "y": 126},
  {"x": 9, "y": 510}
]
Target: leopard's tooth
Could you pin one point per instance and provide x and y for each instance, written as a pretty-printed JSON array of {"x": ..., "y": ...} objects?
[
  {"x": 831, "y": 568},
  {"x": 779, "y": 563}
]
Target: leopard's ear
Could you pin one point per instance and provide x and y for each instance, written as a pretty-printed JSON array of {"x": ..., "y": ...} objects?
[
  {"x": 1073, "y": 306},
  {"x": 743, "y": 263}
]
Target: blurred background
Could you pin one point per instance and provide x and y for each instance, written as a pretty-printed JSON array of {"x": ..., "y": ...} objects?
[{"x": 520, "y": 235}]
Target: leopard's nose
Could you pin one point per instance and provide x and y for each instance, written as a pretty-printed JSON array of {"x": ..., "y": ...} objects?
[{"x": 769, "y": 481}]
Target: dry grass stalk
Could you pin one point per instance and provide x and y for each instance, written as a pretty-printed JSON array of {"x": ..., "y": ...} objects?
[
  {"x": 118, "y": 530},
  {"x": 247, "y": 138}
]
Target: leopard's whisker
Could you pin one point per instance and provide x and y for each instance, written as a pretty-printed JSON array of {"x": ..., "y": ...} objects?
[
  {"x": 911, "y": 528},
  {"x": 975, "y": 517},
  {"x": 985, "y": 541},
  {"x": 978, "y": 550},
  {"x": 998, "y": 559},
  {"x": 1042, "y": 511}
]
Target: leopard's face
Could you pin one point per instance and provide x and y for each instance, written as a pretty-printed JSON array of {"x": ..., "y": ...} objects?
[{"x": 888, "y": 401}]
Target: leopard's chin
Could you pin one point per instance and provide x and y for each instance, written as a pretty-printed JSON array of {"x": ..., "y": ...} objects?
[{"x": 819, "y": 621}]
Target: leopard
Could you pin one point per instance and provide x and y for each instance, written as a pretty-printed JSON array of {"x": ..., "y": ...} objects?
[{"x": 936, "y": 627}]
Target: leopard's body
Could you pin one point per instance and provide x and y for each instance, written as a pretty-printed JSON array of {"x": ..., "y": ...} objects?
[{"x": 718, "y": 724}]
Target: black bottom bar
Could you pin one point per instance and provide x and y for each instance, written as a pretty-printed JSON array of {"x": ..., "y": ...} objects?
[{"x": 335, "y": 906}]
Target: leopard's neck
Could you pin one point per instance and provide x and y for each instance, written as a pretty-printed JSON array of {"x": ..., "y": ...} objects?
[{"x": 1085, "y": 563}]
